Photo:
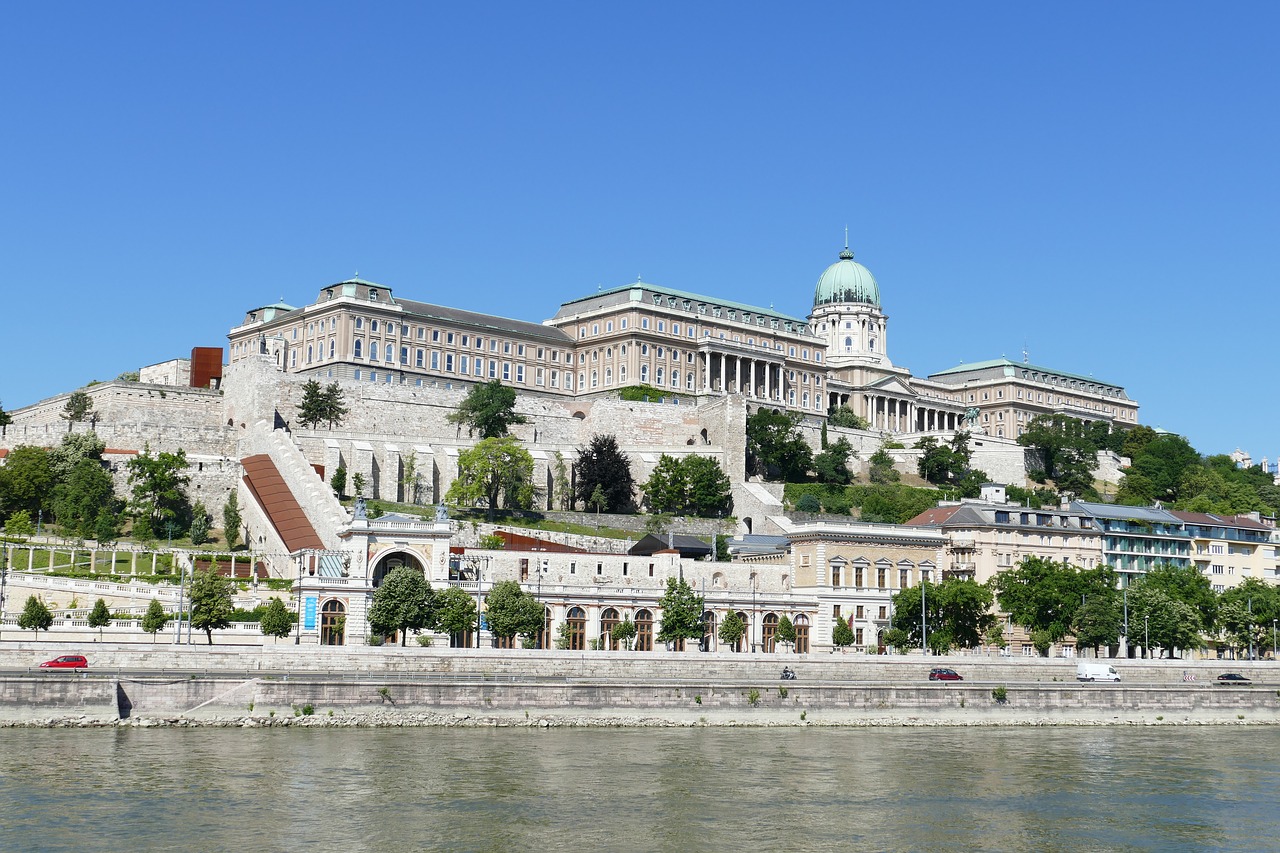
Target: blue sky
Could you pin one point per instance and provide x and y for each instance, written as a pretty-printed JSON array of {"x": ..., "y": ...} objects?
[{"x": 1096, "y": 183}]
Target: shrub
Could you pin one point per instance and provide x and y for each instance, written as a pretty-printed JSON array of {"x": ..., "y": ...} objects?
[
  {"x": 808, "y": 503},
  {"x": 1000, "y": 694},
  {"x": 753, "y": 696}
]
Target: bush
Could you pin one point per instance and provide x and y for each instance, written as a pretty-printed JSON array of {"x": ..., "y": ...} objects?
[
  {"x": 808, "y": 503},
  {"x": 1000, "y": 694},
  {"x": 375, "y": 640}
]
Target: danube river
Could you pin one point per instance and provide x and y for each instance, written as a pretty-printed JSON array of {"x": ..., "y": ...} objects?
[{"x": 731, "y": 789}]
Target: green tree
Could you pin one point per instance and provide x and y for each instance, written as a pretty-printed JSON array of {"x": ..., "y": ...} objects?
[
  {"x": 1165, "y": 623},
  {"x": 808, "y": 502},
  {"x": 403, "y": 602},
  {"x": 5, "y": 417},
  {"x": 601, "y": 464},
  {"x": 561, "y": 481},
  {"x": 1245, "y": 613},
  {"x": 276, "y": 619},
  {"x": 496, "y": 468},
  {"x": 26, "y": 481},
  {"x": 78, "y": 407},
  {"x": 410, "y": 479},
  {"x": 682, "y": 610},
  {"x": 20, "y": 524},
  {"x": 35, "y": 616},
  {"x": 775, "y": 447},
  {"x": 958, "y": 613},
  {"x": 732, "y": 628},
  {"x": 74, "y": 448},
  {"x": 158, "y": 483},
  {"x": 1042, "y": 595},
  {"x": 694, "y": 485},
  {"x": 199, "y": 525},
  {"x": 106, "y": 527},
  {"x": 82, "y": 495},
  {"x": 1189, "y": 586},
  {"x": 128, "y": 376},
  {"x": 333, "y": 406},
  {"x": 1098, "y": 622},
  {"x": 231, "y": 519},
  {"x": 843, "y": 416},
  {"x": 841, "y": 634},
  {"x": 455, "y": 612},
  {"x": 211, "y": 605},
  {"x": 311, "y": 409},
  {"x": 154, "y": 620},
  {"x": 510, "y": 611},
  {"x": 339, "y": 481},
  {"x": 882, "y": 470},
  {"x": 357, "y": 483},
  {"x": 995, "y": 635},
  {"x": 100, "y": 616},
  {"x": 786, "y": 631},
  {"x": 489, "y": 409},
  {"x": 832, "y": 464},
  {"x": 1067, "y": 448},
  {"x": 1163, "y": 462},
  {"x": 623, "y": 633}
]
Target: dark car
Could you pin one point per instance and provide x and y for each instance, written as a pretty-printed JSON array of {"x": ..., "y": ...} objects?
[
  {"x": 941, "y": 673},
  {"x": 76, "y": 662},
  {"x": 1229, "y": 678}
]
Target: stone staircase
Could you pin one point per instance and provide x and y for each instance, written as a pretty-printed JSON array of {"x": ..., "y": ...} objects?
[{"x": 312, "y": 493}]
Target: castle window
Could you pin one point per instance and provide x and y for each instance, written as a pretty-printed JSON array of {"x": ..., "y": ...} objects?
[
  {"x": 373, "y": 350},
  {"x": 358, "y": 348}
]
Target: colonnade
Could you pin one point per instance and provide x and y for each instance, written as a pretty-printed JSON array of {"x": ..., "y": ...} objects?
[
  {"x": 896, "y": 415},
  {"x": 758, "y": 378}
]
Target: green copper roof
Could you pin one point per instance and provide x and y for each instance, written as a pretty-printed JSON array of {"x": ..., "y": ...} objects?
[
  {"x": 846, "y": 281},
  {"x": 1004, "y": 362}
]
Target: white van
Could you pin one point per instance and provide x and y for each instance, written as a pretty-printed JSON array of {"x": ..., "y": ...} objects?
[{"x": 1095, "y": 671}]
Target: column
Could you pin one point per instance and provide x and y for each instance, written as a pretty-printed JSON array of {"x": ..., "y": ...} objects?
[{"x": 706, "y": 372}]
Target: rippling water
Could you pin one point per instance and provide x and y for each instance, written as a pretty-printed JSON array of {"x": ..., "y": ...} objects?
[{"x": 639, "y": 789}]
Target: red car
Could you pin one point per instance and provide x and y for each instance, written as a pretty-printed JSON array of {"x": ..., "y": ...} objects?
[
  {"x": 76, "y": 662},
  {"x": 943, "y": 674}
]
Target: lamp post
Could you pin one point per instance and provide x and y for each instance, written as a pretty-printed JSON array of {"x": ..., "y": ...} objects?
[
  {"x": 4, "y": 577},
  {"x": 297, "y": 632},
  {"x": 1273, "y": 621},
  {"x": 1251, "y": 628},
  {"x": 924, "y": 625},
  {"x": 1146, "y": 636}
]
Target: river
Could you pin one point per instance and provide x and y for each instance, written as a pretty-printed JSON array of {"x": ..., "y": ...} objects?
[{"x": 680, "y": 789}]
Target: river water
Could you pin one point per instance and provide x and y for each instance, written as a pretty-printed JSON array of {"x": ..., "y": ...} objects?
[{"x": 701, "y": 789}]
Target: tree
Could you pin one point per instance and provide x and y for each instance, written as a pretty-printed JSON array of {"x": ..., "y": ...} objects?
[
  {"x": 154, "y": 620},
  {"x": 334, "y": 406},
  {"x": 311, "y": 410},
  {"x": 1163, "y": 622},
  {"x": 100, "y": 616},
  {"x": 832, "y": 464},
  {"x": 682, "y": 612},
  {"x": 1245, "y": 613},
  {"x": 74, "y": 447},
  {"x": 106, "y": 527},
  {"x": 732, "y": 628},
  {"x": 78, "y": 407},
  {"x": 882, "y": 471},
  {"x": 1098, "y": 622},
  {"x": 82, "y": 495},
  {"x": 1188, "y": 585},
  {"x": 995, "y": 635},
  {"x": 211, "y": 605},
  {"x": 694, "y": 485},
  {"x": 958, "y": 613},
  {"x": 775, "y": 447},
  {"x": 35, "y": 616},
  {"x": 339, "y": 480},
  {"x": 199, "y": 525},
  {"x": 841, "y": 634},
  {"x": 561, "y": 481},
  {"x": 403, "y": 602},
  {"x": 5, "y": 417},
  {"x": 808, "y": 502},
  {"x": 158, "y": 482},
  {"x": 1067, "y": 449},
  {"x": 1163, "y": 462},
  {"x": 357, "y": 483},
  {"x": 496, "y": 468},
  {"x": 623, "y": 633},
  {"x": 489, "y": 408},
  {"x": 276, "y": 620},
  {"x": 410, "y": 479},
  {"x": 843, "y": 416},
  {"x": 510, "y": 611},
  {"x": 20, "y": 524},
  {"x": 786, "y": 631},
  {"x": 455, "y": 612},
  {"x": 1042, "y": 595},
  {"x": 231, "y": 519},
  {"x": 26, "y": 481},
  {"x": 601, "y": 464}
]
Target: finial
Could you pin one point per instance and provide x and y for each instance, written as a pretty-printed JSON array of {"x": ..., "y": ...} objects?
[
  {"x": 1026, "y": 358},
  {"x": 846, "y": 236}
]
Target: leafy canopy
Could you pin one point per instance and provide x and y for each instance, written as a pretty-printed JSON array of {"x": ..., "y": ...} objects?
[
  {"x": 489, "y": 409},
  {"x": 495, "y": 470},
  {"x": 601, "y": 464}
]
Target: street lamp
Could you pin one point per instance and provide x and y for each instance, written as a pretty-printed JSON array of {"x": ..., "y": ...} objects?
[
  {"x": 924, "y": 625},
  {"x": 1146, "y": 636},
  {"x": 1273, "y": 629}
]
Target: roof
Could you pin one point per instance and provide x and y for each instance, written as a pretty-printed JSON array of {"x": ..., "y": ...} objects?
[
  {"x": 278, "y": 503},
  {"x": 520, "y": 542},
  {"x": 485, "y": 321},
  {"x": 936, "y": 515},
  {"x": 973, "y": 367},
  {"x": 1124, "y": 513},
  {"x": 688, "y": 546},
  {"x": 1208, "y": 519},
  {"x": 846, "y": 281},
  {"x": 681, "y": 294}
]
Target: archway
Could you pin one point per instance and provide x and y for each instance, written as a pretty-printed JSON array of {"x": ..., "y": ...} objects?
[
  {"x": 708, "y": 630},
  {"x": 769, "y": 632},
  {"x": 743, "y": 642},
  {"x": 802, "y": 634},
  {"x": 644, "y": 631},
  {"x": 608, "y": 619},
  {"x": 394, "y": 560},
  {"x": 333, "y": 623},
  {"x": 576, "y": 633}
]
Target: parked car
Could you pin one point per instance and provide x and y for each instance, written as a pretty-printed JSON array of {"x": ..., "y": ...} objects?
[
  {"x": 76, "y": 662},
  {"x": 941, "y": 673},
  {"x": 1229, "y": 678}
]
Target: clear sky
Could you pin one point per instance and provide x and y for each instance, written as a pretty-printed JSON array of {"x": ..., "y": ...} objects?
[{"x": 1095, "y": 183}]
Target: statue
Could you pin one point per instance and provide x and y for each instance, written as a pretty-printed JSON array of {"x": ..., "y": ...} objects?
[
  {"x": 361, "y": 514},
  {"x": 442, "y": 514}
]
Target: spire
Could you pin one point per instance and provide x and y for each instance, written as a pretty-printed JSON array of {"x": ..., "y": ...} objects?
[{"x": 846, "y": 255}]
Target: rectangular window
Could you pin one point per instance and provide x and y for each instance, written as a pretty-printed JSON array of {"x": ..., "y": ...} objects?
[
  {"x": 465, "y": 363},
  {"x": 520, "y": 373},
  {"x": 599, "y": 568},
  {"x": 506, "y": 371},
  {"x": 835, "y": 576},
  {"x": 859, "y": 614},
  {"x": 448, "y": 362},
  {"x": 493, "y": 369},
  {"x": 538, "y": 376}
]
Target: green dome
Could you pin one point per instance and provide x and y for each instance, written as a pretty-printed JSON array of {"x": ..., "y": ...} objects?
[{"x": 846, "y": 281}]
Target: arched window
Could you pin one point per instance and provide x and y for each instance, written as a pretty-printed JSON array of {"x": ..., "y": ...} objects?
[
  {"x": 769, "y": 633},
  {"x": 802, "y": 634},
  {"x": 577, "y": 622},
  {"x": 659, "y": 375},
  {"x": 675, "y": 379},
  {"x": 848, "y": 344},
  {"x": 359, "y": 347},
  {"x": 373, "y": 350},
  {"x": 644, "y": 631},
  {"x": 608, "y": 376},
  {"x": 309, "y": 353},
  {"x": 330, "y": 349},
  {"x": 644, "y": 373},
  {"x": 609, "y": 619},
  {"x": 708, "y": 631},
  {"x": 333, "y": 623},
  {"x": 744, "y": 642}
]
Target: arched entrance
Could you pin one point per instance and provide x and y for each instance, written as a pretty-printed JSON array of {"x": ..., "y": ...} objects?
[
  {"x": 742, "y": 642},
  {"x": 802, "y": 634},
  {"x": 644, "y": 631},
  {"x": 576, "y": 634},
  {"x": 394, "y": 560},
  {"x": 708, "y": 630},
  {"x": 608, "y": 619},
  {"x": 769, "y": 632},
  {"x": 333, "y": 623}
]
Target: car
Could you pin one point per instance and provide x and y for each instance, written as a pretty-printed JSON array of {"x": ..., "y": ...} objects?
[
  {"x": 941, "y": 673},
  {"x": 76, "y": 662},
  {"x": 1229, "y": 678}
]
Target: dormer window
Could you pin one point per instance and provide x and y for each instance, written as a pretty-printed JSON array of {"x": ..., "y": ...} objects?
[
  {"x": 328, "y": 293},
  {"x": 373, "y": 295}
]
